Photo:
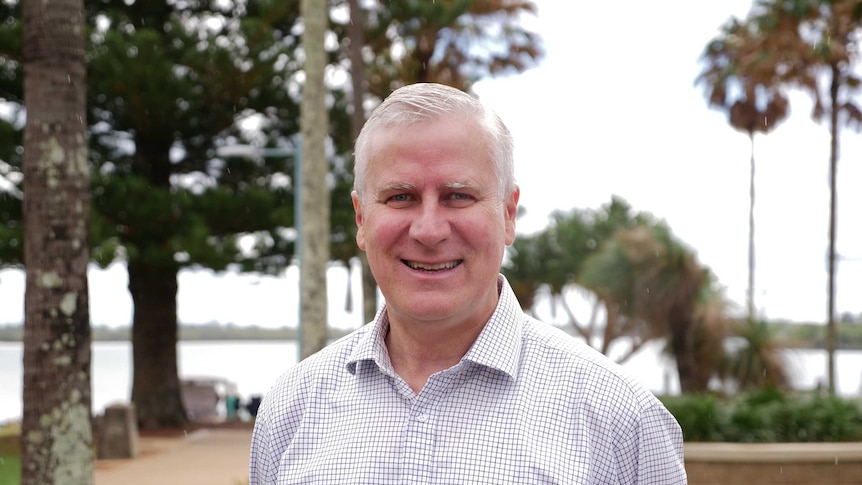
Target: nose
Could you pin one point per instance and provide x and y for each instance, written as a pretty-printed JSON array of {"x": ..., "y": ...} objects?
[{"x": 431, "y": 225}]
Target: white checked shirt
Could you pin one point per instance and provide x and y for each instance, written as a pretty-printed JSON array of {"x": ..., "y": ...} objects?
[{"x": 527, "y": 404}]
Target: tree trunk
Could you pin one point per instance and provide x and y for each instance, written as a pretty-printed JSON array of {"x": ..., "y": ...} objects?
[
  {"x": 750, "y": 299},
  {"x": 155, "y": 385},
  {"x": 680, "y": 318},
  {"x": 831, "y": 326},
  {"x": 153, "y": 271},
  {"x": 314, "y": 232},
  {"x": 683, "y": 350},
  {"x": 357, "y": 120},
  {"x": 56, "y": 430}
]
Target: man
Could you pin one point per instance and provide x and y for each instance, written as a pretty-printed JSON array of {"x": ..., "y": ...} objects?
[{"x": 452, "y": 383}]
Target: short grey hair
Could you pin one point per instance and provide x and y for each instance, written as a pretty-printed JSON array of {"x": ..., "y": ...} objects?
[{"x": 429, "y": 101}]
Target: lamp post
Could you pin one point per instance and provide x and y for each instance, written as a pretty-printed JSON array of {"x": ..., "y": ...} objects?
[
  {"x": 314, "y": 204},
  {"x": 250, "y": 151}
]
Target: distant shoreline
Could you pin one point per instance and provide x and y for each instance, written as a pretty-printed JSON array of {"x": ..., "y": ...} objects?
[
  {"x": 786, "y": 335},
  {"x": 188, "y": 332}
]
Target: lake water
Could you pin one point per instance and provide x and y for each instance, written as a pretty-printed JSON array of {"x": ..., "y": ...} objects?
[{"x": 255, "y": 365}]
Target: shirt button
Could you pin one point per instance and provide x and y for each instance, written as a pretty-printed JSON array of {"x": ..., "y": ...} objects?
[{"x": 422, "y": 418}]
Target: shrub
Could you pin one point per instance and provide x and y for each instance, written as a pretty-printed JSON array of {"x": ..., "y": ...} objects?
[
  {"x": 767, "y": 415},
  {"x": 699, "y": 416}
]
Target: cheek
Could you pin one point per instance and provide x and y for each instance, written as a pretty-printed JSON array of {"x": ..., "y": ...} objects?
[
  {"x": 496, "y": 226},
  {"x": 376, "y": 233}
]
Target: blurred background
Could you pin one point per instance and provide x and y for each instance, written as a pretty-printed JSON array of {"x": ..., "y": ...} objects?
[{"x": 643, "y": 131}]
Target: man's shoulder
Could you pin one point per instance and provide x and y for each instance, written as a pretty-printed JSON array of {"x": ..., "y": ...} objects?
[
  {"x": 557, "y": 343},
  {"x": 339, "y": 350},
  {"x": 324, "y": 364},
  {"x": 554, "y": 354}
]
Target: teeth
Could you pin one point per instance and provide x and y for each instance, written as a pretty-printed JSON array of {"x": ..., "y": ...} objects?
[{"x": 433, "y": 267}]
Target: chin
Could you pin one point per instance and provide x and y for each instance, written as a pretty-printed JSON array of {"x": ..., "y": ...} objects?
[{"x": 430, "y": 309}]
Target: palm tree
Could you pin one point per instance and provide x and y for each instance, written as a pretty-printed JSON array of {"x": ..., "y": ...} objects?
[
  {"x": 656, "y": 284},
  {"x": 647, "y": 284},
  {"x": 315, "y": 204},
  {"x": 358, "y": 83},
  {"x": 757, "y": 363},
  {"x": 553, "y": 259},
  {"x": 525, "y": 269},
  {"x": 752, "y": 103},
  {"x": 440, "y": 42},
  {"x": 144, "y": 214},
  {"x": 453, "y": 43},
  {"x": 802, "y": 44},
  {"x": 56, "y": 438}
]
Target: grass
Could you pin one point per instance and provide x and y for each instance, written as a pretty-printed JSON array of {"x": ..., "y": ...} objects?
[
  {"x": 10, "y": 470},
  {"x": 10, "y": 454}
]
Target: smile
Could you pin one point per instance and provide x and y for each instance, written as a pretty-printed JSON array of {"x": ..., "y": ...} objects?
[{"x": 433, "y": 267}]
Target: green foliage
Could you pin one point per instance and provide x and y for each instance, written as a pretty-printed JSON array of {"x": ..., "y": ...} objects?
[
  {"x": 440, "y": 39},
  {"x": 169, "y": 82},
  {"x": 756, "y": 363},
  {"x": 647, "y": 283},
  {"x": 11, "y": 229},
  {"x": 752, "y": 418},
  {"x": 767, "y": 416},
  {"x": 11, "y": 66},
  {"x": 811, "y": 45},
  {"x": 555, "y": 256},
  {"x": 699, "y": 415}
]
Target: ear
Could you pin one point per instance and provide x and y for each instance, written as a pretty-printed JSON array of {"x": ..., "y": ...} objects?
[
  {"x": 357, "y": 209},
  {"x": 511, "y": 213}
]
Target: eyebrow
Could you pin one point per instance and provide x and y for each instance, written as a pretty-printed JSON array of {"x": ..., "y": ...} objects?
[
  {"x": 398, "y": 186},
  {"x": 457, "y": 185}
]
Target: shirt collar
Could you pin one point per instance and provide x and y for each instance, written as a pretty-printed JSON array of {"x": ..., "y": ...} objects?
[
  {"x": 371, "y": 345},
  {"x": 498, "y": 346}
]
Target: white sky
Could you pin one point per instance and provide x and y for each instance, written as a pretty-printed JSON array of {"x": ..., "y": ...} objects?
[{"x": 613, "y": 110}]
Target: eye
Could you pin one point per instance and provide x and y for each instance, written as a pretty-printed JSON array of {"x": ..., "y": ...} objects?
[
  {"x": 400, "y": 200},
  {"x": 459, "y": 199}
]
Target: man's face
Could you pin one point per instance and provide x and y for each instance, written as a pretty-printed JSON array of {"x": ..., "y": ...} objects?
[{"x": 432, "y": 221}]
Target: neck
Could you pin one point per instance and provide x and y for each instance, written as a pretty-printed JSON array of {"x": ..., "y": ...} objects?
[{"x": 417, "y": 351}]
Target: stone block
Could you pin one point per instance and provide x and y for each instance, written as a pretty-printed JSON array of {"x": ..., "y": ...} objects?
[{"x": 118, "y": 433}]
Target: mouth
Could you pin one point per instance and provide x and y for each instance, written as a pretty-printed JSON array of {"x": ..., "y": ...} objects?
[{"x": 432, "y": 268}]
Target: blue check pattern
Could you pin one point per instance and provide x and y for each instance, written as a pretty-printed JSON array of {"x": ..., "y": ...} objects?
[{"x": 527, "y": 404}]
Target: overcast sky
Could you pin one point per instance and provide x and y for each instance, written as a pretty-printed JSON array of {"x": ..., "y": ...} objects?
[{"x": 613, "y": 110}]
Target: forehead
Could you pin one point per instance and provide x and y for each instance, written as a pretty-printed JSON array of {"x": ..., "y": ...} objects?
[{"x": 446, "y": 139}]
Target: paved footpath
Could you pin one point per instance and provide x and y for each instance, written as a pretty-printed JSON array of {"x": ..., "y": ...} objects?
[{"x": 207, "y": 456}]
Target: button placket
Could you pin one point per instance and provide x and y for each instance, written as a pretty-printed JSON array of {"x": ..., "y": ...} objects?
[{"x": 421, "y": 433}]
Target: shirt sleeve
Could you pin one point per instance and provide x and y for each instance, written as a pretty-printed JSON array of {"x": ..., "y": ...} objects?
[
  {"x": 262, "y": 467},
  {"x": 660, "y": 448}
]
